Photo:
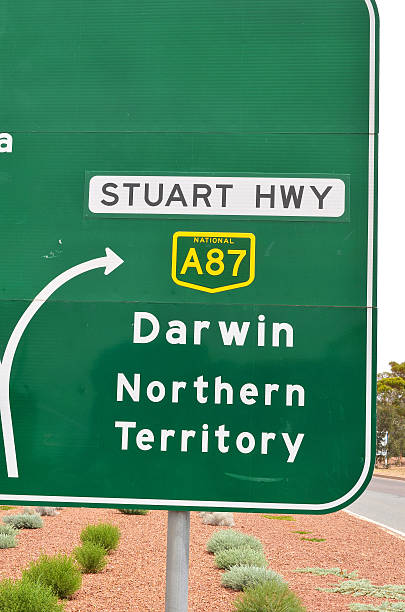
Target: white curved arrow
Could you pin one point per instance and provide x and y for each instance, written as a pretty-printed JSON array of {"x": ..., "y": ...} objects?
[{"x": 110, "y": 261}]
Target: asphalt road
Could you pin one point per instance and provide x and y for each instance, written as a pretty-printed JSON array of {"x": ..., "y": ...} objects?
[{"x": 384, "y": 502}]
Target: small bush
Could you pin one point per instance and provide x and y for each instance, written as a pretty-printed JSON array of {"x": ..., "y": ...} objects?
[
  {"x": 104, "y": 535},
  {"x": 224, "y": 519},
  {"x": 8, "y": 540},
  {"x": 364, "y": 588},
  {"x": 141, "y": 511},
  {"x": 228, "y": 538},
  {"x": 90, "y": 557},
  {"x": 27, "y": 596},
  {"x": 46, "y": 511},
  {"x": 224, "y": 559},
  {"x": 7, "y": 507},
  {"x": 23, "y": 521},
  {"x": 270, "y": 596},
  {"x": 8, "y": 530},
  {"x": 239, "y": 577},
  {"x": 60, "y": 573},
  {"x": 277, "y": 517},
  {"x": 385, "y": 606},
  {"x": 321, "y": 571}
]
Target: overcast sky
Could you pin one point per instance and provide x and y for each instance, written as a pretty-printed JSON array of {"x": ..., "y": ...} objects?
[{"x": 391, "y": 243}]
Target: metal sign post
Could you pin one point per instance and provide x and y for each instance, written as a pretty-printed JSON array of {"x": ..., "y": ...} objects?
[{"x": 177, "y": 561}]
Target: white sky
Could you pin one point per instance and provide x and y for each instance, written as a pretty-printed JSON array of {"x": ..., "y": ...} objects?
[{"x": 391, "y": 242}]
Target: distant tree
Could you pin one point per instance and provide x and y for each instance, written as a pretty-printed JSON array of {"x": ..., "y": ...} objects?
[{"x": 391, "y": 410}]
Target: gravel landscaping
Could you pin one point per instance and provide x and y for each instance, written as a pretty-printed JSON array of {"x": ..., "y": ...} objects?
[{"x": 133, "y": 579}]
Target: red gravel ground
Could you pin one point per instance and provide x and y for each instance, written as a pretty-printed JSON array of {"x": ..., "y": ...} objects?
[{"x": 133, "y": 580}]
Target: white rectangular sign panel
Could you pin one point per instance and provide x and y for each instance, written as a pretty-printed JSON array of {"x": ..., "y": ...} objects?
[{"x": 202, "y": 195}]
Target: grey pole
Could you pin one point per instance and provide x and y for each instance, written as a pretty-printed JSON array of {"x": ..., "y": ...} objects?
[{"x": 178, "y": 537}]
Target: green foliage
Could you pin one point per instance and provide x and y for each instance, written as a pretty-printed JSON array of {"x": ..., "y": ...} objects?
[
  {"x": 141, "y": 511},
  {"x": 224, "y": 559},
  {"x": 8, "y": 530},
  {"x": 271, "y": 596},
  {"x": 27, "y": 596},
  {"x": 282, "y": 517},
  {"x": 104, "y": 535},
  {"x": 391, "y": 410},
  {"x": 23, "y": 521},
  {"x": 302, "y": 532},
  {"x": 7, "y": 507},
  {"x": 314, "y": 539},
  {"x": 229, "y": 538},
  {"x": 239, "y": 577},
  {"x": 363, "y": 588},
  {"x": 60, "y": 573},
  {"x": 386, "y": 606},
  {"x": 8, "y": 540},
  {"x": 321, "y": 571},
  {"x": 90, "y": 557}
]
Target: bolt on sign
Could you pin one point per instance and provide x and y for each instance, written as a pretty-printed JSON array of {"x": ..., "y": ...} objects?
[{"x": 187, "y": 304}]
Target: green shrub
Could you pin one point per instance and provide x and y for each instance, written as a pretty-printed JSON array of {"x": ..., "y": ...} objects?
[
  {"x": 90, "y": 557},
  {"x": 8, "y": 530},
  {"x": 27, "y": 596},
  {"x": 8, "y": 540},
  {"x": 239, "y": 577},
  {"x": 23, "y": 521},
  {"x": 60, "y": 573},
  {"x": 224, "y": 559},
  {"x": 104, "y": 534},
  {"x": 385, "y": 606},
  {"x": 321, "y": 571},
  {"x": 229, "y": 538},
  {"x": 142, "y": 511},
  {"x": 270, "y": 596},
  {"x": 364, "y": 588},
  {"x": 277, "y": 517}
]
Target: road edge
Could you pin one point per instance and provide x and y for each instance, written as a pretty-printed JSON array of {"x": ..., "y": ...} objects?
[
  {"x": 389, "y": 477},
  {"x": 391, "y": 530}
]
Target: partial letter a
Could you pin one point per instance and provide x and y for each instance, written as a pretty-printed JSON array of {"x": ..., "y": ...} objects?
[{"x": 6, "y": 142}]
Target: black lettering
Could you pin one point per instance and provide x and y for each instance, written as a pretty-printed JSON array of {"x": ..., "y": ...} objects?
[
  {"x": 203, "y": 196},
  {"x": 292, "y": 195},
  {"x": 113, "y": 195},
  {"x": 321, "y": 196},
  {"x": 160, "y": 196},
  {"x": 260, "y": 196},
  {"x": 176, "y": 198},
  {"x": 131, "y": 187},
  {"x": 224, "y": 194}
]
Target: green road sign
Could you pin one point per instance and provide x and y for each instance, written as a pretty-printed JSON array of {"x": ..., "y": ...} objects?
[{"x": 187, "y": 253}]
